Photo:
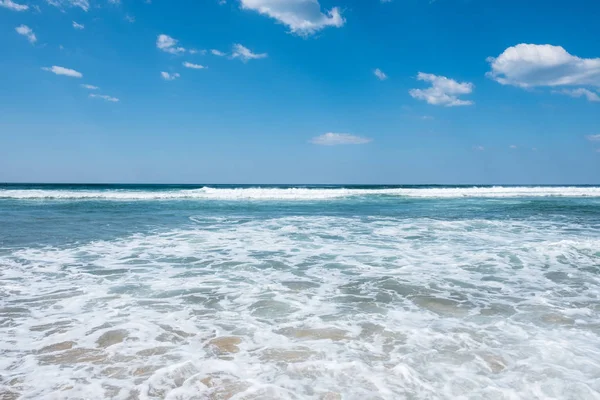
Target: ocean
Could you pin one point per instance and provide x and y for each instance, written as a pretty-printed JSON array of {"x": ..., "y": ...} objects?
[{"x": 299, "y": 292}]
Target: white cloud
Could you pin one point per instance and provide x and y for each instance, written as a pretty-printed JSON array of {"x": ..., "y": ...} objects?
[
  {"x": 27, "y": 32},
  {"x": 513, "y": 146},
  {"x": 193, "y": 66},
  {"x": 478, "y": 148},
  {"x": 244, "y": 53},
  {"x": 63, "y": 71},
  {"x": 303, "y": 17},
  {"x": 580, "y": 92},
  {"x": 218, "y": 53},
  {"x": 531, "y": 65},
  {"x": 443, "y": 91},
  {"x": 13, "y": 6},
  {"x": 78, "y": 26},
  {"x": 380, "y": 74},
  {"x": 593, "y": 138},
  {"x": 169, "y": 77},
  {"x": 168, "y": 44},
  {"x": 333, "y": 139},
  {"x": 90, "y": 87},
  {"x": 83, "y": 4},
  {"x": 104, "y": 97},
  {"x": 196, "y": 51},
  {"x": 130, "y": 18}
]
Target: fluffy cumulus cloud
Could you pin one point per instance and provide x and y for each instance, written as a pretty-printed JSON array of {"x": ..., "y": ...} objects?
[
  {"x": 217, "y": 53},
  {"x": 580, "y": 92},
  {"x": 302, "y": 17},
  {"x": 443, "y": 91},
  {"x": 63, "y": 71},
  {"x": 380, "y": 74},
  {"x": 193, "y": 66},
  {"x": 11, "y": 5},
  {"x": 167, "y": 44},
  {"x": 83, "y": 4},
  {"x": 78, "y": 26},
  {"x": 169, "y": 77},
  {"x": 531, "y": 65},
  {"x": 27, "y": 32},
  {"x": 333, "y": 139},
  {"x": 245, "y": 54},
  {"x": 104, "y": 97}
]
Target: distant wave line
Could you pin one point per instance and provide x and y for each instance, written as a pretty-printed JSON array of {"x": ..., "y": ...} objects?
[{"x": 306, "y": 194}]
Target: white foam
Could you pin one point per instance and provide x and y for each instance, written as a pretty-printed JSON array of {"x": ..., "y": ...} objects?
[
  {"x": 208, "y": 193},
  {"x": 364, "y": 308}
]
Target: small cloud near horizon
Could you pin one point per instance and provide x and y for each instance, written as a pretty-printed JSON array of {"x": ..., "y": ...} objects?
[{"x": 333, "y": 139}]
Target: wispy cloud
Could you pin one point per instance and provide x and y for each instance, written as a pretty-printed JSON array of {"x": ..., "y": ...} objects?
[
  {"x": 63, "y": 71},
  {"x": 78, "y": 26},
  {"x": 27, "y": 32},
  {"x": 580, "y": 92},
  {"x": 443, "y": 91},
  {"x": 380, "y": 74},
  {"x": 245, "y": 54},
  {"x": 512, "y": 146},
  {"x": 478, "y": 148},
  {"x": 218, "y": 53},
  {"x": 11, "y": 5},
  {"x": 89, "y": 87},
  {"x": 302, "y": 17},
  {"x": 83, "y": 4},
  {"x": 130, "y": 18},
  {"x": 333, "y": 139},
  {"x": 593, "y": 138},
  {"x": 104, "y": 97},
  {"x": 193, "y": 66},
  {"x": 196, "y": 51},
  {"x": 167, "y": 44},
  {"x": 169, "y": 77}
]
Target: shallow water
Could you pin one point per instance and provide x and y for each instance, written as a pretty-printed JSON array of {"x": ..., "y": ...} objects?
[{"x": 299, "y": 293}]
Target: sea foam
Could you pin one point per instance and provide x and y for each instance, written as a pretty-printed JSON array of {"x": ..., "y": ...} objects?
[
  {"x": 298, "y": 194},
  {"x": 310, "y": 307}
]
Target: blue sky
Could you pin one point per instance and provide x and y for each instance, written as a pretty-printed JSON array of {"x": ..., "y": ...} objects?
[{"x": 300, "y": 91}]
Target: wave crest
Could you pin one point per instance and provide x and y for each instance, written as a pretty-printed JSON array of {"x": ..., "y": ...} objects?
[{"x": 257, "y": 193}]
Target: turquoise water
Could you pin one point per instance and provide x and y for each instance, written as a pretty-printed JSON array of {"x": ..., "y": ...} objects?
[{"x": 289, "y": 292}]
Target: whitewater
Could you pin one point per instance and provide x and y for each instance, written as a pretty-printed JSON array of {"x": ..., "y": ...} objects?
[
  {"x": 300, "y": 193},
  {"x": 283, "y": 292}
]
